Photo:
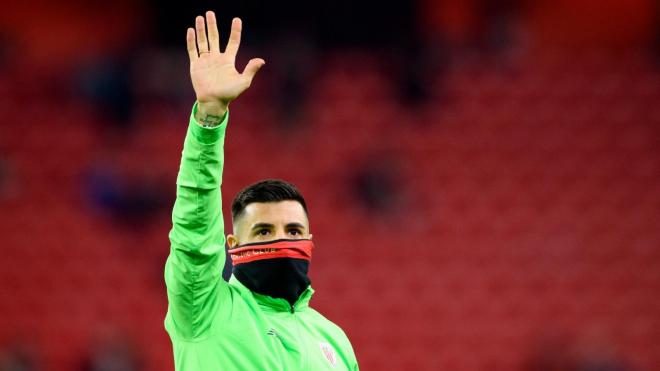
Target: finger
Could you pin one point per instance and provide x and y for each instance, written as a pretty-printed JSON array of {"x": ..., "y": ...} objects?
[
  {"x": 190, "y": 43},
  {"x": 253, "y": 66},
  {"x": 234, "y": 37},
  {"x": 202, "y": 44},
  {"x": 214, "y": 37}
]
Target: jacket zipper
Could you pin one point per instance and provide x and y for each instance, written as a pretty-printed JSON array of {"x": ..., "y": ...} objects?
[{"x": 303, "y": 348}]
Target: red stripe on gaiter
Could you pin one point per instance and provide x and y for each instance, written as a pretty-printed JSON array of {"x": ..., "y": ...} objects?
[{"x": 299, "y": 249}]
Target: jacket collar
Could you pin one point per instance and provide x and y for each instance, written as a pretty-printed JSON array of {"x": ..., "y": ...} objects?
[{"x": 276, "y": 304}]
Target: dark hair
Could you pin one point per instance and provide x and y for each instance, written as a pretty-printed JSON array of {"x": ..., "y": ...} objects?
[{"x": 268, "y": 190}]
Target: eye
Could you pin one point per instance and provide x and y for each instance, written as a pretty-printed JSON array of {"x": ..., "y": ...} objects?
[
  {"x": 295, "y": 232},
  {"x": 263, "y": 232}
]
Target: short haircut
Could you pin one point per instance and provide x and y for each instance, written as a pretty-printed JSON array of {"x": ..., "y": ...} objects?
[{"x": 268, "y": 190}]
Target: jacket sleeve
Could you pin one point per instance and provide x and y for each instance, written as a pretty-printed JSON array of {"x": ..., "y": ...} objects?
[{"x": 195, "y": 288}]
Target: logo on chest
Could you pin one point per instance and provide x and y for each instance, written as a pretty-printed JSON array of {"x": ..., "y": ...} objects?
[{"x": 329, "y": 353}]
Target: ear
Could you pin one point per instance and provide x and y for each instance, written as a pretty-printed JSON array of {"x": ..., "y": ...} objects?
[
  {"x": 232, "y": 241},
  {"x": 310, "y": 236}
]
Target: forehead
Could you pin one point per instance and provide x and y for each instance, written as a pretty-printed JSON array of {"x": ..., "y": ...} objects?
[{"x": 280, "y": 212}]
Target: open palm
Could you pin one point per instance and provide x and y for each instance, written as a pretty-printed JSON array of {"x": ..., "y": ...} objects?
[{"x": 213, "y": 73}]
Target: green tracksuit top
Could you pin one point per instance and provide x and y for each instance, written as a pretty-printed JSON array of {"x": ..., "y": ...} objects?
[{"x": 217, "y": 325}]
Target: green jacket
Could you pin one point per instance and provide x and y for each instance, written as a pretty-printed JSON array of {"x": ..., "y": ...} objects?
[{"x": 217, "y": 325}]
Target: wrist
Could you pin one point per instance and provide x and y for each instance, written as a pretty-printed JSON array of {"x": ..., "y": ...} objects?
[{"x": 210, "y": 114}]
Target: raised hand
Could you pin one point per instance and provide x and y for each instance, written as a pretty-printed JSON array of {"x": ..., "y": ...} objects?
[{"x": 213, "y": 73}]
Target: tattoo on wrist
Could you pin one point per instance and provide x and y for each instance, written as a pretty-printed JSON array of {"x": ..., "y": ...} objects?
[{"x": 210, "y": 121}]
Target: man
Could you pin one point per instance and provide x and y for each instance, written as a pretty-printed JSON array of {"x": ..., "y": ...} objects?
[{"x": 260, "y": 319}]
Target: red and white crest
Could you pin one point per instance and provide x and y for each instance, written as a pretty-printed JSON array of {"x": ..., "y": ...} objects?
[{"x": 329, "y": 353}]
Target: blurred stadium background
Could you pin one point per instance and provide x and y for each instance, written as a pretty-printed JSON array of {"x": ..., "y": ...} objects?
[{"x": 483, "y": 176}]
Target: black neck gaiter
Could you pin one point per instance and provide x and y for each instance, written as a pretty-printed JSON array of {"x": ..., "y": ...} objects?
[{"x": 275, "y": 268}]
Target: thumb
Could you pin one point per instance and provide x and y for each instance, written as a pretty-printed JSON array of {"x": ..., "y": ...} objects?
[{"x": 252, "y": 67}]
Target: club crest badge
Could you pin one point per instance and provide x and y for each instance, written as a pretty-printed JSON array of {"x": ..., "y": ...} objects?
[{"x": 329, "y": 353}]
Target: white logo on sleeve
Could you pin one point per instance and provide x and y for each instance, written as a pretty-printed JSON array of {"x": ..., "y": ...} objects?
[{"x": 329, "y": 353}]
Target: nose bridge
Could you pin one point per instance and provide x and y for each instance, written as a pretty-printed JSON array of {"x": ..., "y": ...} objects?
[{"x": 279, "y": 231}]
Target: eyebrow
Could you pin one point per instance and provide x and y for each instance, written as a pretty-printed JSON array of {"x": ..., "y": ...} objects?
[{"x": 268, "y": 225}]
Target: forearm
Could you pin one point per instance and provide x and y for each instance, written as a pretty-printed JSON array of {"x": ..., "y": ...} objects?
[{"x": 197, "y": 214}]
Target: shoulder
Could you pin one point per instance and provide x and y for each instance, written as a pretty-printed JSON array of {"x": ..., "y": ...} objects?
[
  {"x": 241, "y": 295},
  {"x": 326, "y": 325}
]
